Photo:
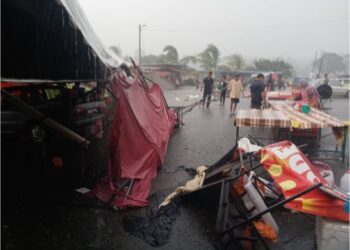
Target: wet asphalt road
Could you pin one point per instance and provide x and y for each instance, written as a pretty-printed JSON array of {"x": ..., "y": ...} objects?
[{"x": 207, "y": 135}]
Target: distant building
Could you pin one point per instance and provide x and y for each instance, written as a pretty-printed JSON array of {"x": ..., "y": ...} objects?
[{"x": 165, "y": 74}]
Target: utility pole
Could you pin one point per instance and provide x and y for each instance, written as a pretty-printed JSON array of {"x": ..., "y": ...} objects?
[
  {"x": 314, "y": 65},
  {"x": 321, "y": 62},
  {"x": 140, "y": 29}
]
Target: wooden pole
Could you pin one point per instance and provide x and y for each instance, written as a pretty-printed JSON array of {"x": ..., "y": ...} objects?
[{"x": 66, "y": 132}]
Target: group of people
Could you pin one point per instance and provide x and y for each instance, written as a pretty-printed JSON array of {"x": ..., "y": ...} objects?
[
  {"x": 233, "y": 86},
  {"x": 275, "y": 81},
  {"x": 235, "y": 89},
  {"x": 258, "y": 91}
]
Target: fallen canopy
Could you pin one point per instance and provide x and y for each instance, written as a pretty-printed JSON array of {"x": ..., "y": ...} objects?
[
  {"x": 139, "y": 138},
  {"x": 45, "y": 41},
  {"x": 293, "y": 173}
]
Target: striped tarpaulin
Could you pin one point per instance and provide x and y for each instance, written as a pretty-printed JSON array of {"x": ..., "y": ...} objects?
[
  {"x": 314, "y": 119},
  {"x": 262, "y": 118}
]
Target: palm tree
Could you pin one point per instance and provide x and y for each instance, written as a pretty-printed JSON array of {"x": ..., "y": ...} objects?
[
  {"x": 171, "y": 55},
  {"x": 236, "y": 62},
  {"x": 209, "y": 57}
]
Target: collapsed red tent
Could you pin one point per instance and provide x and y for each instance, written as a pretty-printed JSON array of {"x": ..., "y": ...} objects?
[{"x": 138, "y": 142}]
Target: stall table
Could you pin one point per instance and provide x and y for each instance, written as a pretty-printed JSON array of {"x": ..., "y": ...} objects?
[
  {"x": 267, "y": 118},
  {"x": 283, "y": 115},
  {"x": 314, "y": 119}
]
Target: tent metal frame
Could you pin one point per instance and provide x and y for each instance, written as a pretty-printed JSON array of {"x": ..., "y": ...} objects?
[{"x": 228, "y": 231}]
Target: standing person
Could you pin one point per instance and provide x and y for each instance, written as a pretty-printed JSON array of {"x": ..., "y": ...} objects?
[
  {"x": 208, "y": 84},
  {"x": 281, "y": 85},
  {"x": 236, "y": 88},
  {"x": 257, "y": 91},
  {"x": 270, "y": 83},
  {"x": 326, "y": 79},
  {"x": 325, "y": 90},
  {"x": 309, "y": 95},
  {"x": 223, "y": 89}
]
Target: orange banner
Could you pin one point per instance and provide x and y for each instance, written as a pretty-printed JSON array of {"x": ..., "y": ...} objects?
[{"x": 293, "y": 173}]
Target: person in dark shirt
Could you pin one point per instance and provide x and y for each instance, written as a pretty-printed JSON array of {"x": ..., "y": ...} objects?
[
  {"x": 208, "y": 84},
  {"x": 270, "y": 83},
  {"x": 281, "y": 84},
  {"x": 257, "y": 90},
  {"x": 325, "y": 90},
  {"x": 223, "y": 89}
]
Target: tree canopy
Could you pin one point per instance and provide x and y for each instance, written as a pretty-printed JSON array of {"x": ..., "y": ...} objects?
[
  {"x": 171, "y": 55},
  {"x": 235, "y": 62},
  {"x": 209, "y": 58},
  {"x": 274, "y": 65}
]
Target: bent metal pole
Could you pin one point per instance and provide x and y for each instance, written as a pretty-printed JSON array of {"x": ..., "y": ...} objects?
[{"x": 66, "y": 132}]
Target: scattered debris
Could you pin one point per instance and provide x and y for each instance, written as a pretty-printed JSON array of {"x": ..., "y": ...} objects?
[{"x": 246, "y": 198}]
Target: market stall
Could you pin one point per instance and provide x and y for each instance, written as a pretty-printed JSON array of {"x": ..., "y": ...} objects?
[{"x": 283, "y": 115}]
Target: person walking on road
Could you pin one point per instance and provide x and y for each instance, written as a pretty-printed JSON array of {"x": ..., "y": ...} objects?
[
  {"x": 326, "y": 79},
  {"x": 257, "y": 91},
  {"x": 223, "y": 90},
  {"x": 235, "y": 88},
  {"x": 208, "y": 84}
]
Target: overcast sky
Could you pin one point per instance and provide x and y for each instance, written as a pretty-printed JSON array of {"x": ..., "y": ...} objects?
[{"x": 292, "y": 29}]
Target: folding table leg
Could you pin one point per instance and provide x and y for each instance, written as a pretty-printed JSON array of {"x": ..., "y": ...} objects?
[
  {"x": 221, "y": 221},
  {"x": 269, "y": 209},
  {"x": 240, "y": 209}
]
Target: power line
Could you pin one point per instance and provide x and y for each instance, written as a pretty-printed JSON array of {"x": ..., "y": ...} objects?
[{"x": 250, "y": 28}]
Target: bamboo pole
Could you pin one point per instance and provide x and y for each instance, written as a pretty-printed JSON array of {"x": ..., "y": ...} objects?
[{"x": 66, "y": 132}]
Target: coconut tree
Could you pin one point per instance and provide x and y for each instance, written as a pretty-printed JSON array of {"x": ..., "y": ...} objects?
[
  {"x": 236, "y": 62},
  {"x": 171, "y": 55},
  {"x": 209, "y": 57}
]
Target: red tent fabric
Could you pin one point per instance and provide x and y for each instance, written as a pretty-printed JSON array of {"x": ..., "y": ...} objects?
[{"x": 140, "y": 134}]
